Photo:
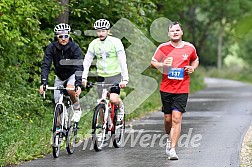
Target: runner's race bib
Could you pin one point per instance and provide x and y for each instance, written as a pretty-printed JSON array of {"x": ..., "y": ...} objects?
[{"x": 176, "y": 73}]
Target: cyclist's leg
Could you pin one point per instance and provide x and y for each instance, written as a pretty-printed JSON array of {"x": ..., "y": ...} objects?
[
  {"x": 100, "y": 86},
  {"x": 71, "y": 93},
  {"x": 75, "y": 100},
  {"x": 115, "y": 95},
  {"x": 114, "y": 91},
  {"x": 57, "y": 82}
]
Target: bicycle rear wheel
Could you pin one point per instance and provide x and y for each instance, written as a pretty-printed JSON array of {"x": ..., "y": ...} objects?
[
  {"x": 99, "y": 127},
  {"x": 56, "y": 141},
  {"x": 119, "y": 130},
  {"x": 71, "y": 138}
]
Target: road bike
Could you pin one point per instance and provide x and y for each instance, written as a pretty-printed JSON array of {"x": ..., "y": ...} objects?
[
  {"x": 105, "y": 120},
  {"x": 62, "y": 125}
]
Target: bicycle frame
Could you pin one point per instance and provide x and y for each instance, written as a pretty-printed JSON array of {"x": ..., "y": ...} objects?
[
  {"x": 66, "y": 129},
  {"x": 61, "y": 102},
  {"x": 105, "y": 115},
  {"x": 108, "y": 106}
]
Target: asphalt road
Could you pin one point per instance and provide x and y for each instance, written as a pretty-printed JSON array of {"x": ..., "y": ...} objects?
[{"x": 213, "y": 128}]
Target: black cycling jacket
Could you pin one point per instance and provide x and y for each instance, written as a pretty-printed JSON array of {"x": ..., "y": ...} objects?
[{"x": 66, "y": 59}]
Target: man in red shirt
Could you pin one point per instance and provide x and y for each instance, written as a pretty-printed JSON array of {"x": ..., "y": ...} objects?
[{"x": 177, "y": 59}]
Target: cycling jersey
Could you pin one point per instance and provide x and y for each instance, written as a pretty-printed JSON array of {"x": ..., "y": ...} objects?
[
  {"x": 111, "y": 58},
  {"x": 177, "y": 80},
  {"x": 59, "y": 55}
]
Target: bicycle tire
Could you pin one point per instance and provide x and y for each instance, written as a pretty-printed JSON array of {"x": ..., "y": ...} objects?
[
  {"x": 98, "y": 130},
  {"x": 119, "y": 130},
  {"x": 56, "y": 136},
  {"x": 71, "y": 138}
]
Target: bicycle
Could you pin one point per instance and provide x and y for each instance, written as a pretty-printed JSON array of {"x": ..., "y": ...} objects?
[
  {"x": 105, "y": 120},
  {"x": 62, "y": 125}
]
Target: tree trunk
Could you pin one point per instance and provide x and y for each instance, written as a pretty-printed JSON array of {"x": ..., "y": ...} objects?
[
  {"x": 219, "y": 52},
  {"x": 64, "y": 17}
]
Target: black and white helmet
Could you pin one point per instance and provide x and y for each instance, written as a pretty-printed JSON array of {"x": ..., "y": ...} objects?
[
  {"x": 102, "y": 24},
  {"x": 62, "y": 27}
]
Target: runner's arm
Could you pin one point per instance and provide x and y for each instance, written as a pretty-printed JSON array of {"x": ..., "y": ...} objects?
[
  {"x": 156, "y": 64},
  {"x": 195, "y": 64}
]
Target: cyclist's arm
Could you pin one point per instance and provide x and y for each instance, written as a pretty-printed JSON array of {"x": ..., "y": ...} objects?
[
  {"x": 46, "y": 65},
  {"x": 78, "y": 66},
  {"x": 123, "y": 64},
  {"x": 87, "y": 63}
]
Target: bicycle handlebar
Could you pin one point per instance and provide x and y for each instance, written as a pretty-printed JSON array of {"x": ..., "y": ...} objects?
[
  {"x": 91, "y": 84},
  {"x": 57, "y": 88}
]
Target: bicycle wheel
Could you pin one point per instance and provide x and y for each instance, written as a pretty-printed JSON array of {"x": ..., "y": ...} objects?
[
  {"x": 119, "y": 129},
  {"x": 98, "y": 127},
  {"x": 56, "y": 135},
  {"x": 71, "y": 138}
]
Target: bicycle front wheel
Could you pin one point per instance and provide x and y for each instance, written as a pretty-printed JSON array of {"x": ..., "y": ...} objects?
[
  {"x": 71, "y": 138},
  {"x": 119, "y": 130},
  {"x": 56, "y": 141},
  {"x": 98, "y": 127}
]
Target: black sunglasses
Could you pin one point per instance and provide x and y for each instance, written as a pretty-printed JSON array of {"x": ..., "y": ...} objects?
[{"x": 63, "y": 36}]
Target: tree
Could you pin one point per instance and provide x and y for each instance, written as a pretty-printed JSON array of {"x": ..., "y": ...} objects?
[
  {"x": 207, "y": 23},
  {"x": 64, "y": 17}
]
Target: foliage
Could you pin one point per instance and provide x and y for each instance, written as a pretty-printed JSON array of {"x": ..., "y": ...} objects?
[
  {"x": 244, "y": 34},
  {"x": 83, "y": 15},
  {"x": 22, "y": 41},
  {"x": 203, "y": 20}
]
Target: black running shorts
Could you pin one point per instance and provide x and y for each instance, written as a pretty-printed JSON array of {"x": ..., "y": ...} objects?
[{"x": 172, "y": 102}]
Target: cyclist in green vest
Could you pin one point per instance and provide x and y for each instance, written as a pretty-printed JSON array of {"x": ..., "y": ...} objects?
[{"x": 111, "y": 62}]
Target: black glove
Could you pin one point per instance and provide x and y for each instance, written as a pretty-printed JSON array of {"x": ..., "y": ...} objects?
[{"x": 76, "y": 87}]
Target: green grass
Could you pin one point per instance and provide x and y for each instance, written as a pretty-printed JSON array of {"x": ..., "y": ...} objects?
[
  {"x": 233, "y": 73},
  {"x": 25, "y": 140}
]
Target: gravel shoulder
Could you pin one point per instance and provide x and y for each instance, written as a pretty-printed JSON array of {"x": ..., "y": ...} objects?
[{"x": 246, "y": 150}]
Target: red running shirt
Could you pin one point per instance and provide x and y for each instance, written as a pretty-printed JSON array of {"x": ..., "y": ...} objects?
[{"x": 182, "y": 56}]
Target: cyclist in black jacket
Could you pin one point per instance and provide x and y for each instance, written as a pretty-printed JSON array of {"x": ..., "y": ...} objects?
[{"x": 67, "y": 60}]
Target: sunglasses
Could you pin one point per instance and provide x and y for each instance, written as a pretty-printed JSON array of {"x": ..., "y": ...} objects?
[{"x": 63, "y": 36}]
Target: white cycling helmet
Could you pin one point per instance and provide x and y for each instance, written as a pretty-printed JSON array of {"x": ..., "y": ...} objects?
[
  {"x": 62, "y": 27},
  {"x": 102, "y": 24}
]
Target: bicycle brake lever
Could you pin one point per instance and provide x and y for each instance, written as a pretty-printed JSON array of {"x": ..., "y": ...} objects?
[
  {"x": 44, "y": 95},
  {"x": 89, "y": 85},
  {"x": 44, "y": 89}
]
